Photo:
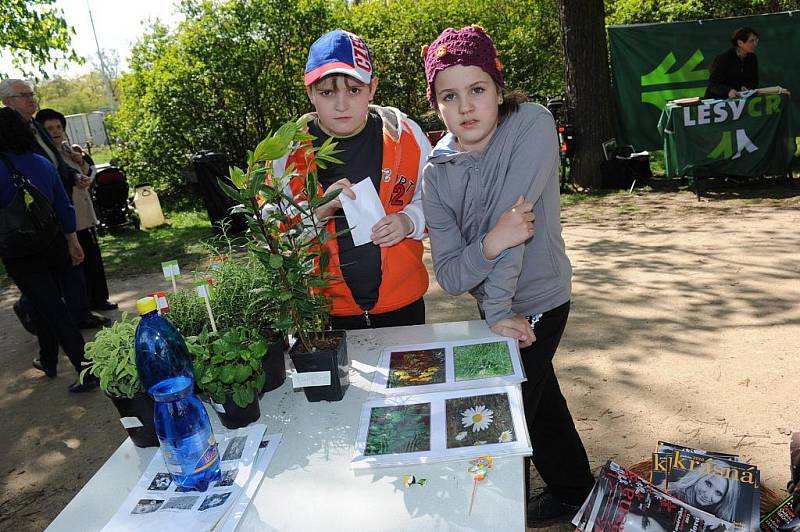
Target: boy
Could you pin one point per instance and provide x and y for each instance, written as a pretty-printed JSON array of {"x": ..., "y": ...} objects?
[{"x": 381, "y": 283}]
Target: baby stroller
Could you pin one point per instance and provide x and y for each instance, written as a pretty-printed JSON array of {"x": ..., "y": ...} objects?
[{"x": 111, "y": 199}]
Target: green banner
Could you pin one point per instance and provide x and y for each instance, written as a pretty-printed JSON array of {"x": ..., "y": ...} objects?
[
  {"x": 738, "y": 137},
  {"x": 654, "y": 63}
]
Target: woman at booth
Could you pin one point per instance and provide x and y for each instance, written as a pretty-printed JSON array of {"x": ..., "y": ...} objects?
[{"x": 735, "y": 69}]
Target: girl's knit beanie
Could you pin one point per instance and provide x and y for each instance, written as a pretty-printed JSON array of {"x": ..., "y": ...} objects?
[{"x": 469, "y": 46}]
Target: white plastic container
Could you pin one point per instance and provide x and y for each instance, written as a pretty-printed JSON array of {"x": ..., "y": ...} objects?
[{"x": 148, "y": 207}]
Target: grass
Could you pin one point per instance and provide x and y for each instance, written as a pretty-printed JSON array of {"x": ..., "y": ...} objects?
[
  {"x": 102, "y": 154},
  {"x": 130, "y": 252},
  {"x": 482, "y": 360}
]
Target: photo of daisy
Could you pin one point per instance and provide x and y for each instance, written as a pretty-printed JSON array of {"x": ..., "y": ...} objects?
[
  {"x": 478, "y": 420},
  {"x": 399, "y": 429},
  {"x": 415, "y": 368},
  {"x": 477, "y": 361}
]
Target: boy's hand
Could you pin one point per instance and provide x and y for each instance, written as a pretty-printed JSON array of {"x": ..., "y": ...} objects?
[
  {"x": 514, "y": 227},
  {"x": 515, "y": 327},
  {"x": 327, "y": 210},
  {"x": 391, "y": 229}
]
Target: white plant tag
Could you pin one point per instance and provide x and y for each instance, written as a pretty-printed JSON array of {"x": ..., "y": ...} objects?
[
  {"x": 131, "y": 422},
  {"x": 217, "y": 407},
  {"x": 311, "y": 378}
]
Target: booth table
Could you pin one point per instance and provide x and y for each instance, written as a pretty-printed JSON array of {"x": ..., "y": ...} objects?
[
  {"x": 309, "y": 485},
  {"x": 747, "y": 137}
]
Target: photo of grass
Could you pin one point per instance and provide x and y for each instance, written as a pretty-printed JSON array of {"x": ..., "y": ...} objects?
[
  {"x": 479, "y": 420},
  {"x": 415, "y": 368},
  {"x": 477, "y": 361},
  {"x": 399, "y": 429}
]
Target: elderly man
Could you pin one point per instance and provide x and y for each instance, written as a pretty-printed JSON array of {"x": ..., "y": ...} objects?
[{"x": 18, "y": 95}]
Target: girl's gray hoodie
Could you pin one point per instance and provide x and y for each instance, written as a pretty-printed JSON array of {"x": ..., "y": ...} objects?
[{"x": 464, "y": 195}]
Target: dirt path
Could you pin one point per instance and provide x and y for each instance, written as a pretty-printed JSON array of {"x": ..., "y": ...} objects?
[{"x": 685, "y": 326}]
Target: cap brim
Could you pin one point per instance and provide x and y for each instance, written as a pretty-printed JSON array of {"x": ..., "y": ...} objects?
[{"x": 335, "y": 68}]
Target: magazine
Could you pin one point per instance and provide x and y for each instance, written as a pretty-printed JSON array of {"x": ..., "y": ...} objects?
[
  {"x": 725, "y": 488},
  {"x": 781, "y": 518},
  {"x": 664, "y": 449},
  {"x": 621, "y": 500}
]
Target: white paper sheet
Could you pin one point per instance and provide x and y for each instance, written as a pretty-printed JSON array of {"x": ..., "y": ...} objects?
[
  {"x": 392, "y": 378},
  {"x": 155, "y": 504},
  {"x": 453, "y": 439},
  {"x": 229, "y": 522},
  {"x": 363, "y": 212}
]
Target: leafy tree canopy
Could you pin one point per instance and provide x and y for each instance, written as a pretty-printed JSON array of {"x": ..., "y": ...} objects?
[
  {"x": 642, "y": 11},
  {"x": 35, "y": 34}
]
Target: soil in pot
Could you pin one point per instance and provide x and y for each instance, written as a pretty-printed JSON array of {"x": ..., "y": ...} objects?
[
  {"x": 233, "y": 416},
  {"x": 330, "y": 356},
  {"x": 136, "y": 415}
]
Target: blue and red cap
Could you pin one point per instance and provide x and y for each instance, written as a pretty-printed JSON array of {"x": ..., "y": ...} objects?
[{"x": 339, "y": 52}]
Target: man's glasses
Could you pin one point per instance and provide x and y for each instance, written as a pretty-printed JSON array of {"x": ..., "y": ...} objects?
[{"x": 26, "y": 95}]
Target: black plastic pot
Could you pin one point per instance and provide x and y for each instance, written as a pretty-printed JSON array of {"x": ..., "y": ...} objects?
[
  {"x": 334, "y": 361},
  {"x": 274, "y": 363},
  {"x": 139, "y": 407},
  {"x": 233, "y": 416}
]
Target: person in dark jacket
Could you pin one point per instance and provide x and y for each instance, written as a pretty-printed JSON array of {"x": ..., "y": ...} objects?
[
  {"x": 735, "y": 69},
  {"x": 39, "y": 276}
]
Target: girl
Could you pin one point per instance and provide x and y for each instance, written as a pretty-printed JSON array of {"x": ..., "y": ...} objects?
[
  {"x": 485, "y": 182},
  {"x": 709, "y": 492}
]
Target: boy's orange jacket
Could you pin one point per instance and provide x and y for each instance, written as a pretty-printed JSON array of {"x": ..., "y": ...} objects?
[{"x": 404, "y": 276}]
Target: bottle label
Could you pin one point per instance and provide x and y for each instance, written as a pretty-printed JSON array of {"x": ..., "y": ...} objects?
[{"x": 190, "y": 455}]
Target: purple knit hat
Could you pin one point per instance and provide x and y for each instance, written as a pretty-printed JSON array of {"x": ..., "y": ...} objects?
[{"x": 469, "y": 46}]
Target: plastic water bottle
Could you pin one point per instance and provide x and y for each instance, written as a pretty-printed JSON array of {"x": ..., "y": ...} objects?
[
  {"x": 184, "y": 432},
  {"x": 159, "y": 348}
]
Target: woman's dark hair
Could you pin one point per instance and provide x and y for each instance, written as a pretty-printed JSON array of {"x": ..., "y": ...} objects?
[
  {"x": 511, "y": 101},
  {"x": 742, "y": 34},
  {"x": 15, "y": 133},
  {"x": 51, "y": 114}
]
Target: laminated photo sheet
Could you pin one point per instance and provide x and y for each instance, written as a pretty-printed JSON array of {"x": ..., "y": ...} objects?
[
  {"x": 156, "y": 503},
  {"x": 441, "y": 426},
  {"x": 229, "y": 522},
  {"x": 452, "y": 365}
]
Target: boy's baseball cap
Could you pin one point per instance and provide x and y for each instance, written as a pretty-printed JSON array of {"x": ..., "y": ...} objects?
[{"x": 339, "y": 52}]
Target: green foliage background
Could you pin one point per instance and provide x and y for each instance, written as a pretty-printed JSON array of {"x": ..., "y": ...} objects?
[{"x": 233, "y": 70}]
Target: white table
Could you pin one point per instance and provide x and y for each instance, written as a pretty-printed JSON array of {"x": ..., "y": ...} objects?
[{"x": 309, "y": 485}]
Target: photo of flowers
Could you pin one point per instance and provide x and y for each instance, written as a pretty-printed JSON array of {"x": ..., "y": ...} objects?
[
  {"x": 399, "y": 429},
  {"x": 479, "y": 420},
  {"x": 415, "y": 368},
  {"x": 477, "y": 361}
]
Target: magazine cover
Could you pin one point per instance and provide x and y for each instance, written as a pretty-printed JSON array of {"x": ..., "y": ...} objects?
[
  {"x": 724, "y": 488},
  {"x": 781, "y": 518},
  {"x": 621, "y": 500},
  {"x": 658, "y": 474}
]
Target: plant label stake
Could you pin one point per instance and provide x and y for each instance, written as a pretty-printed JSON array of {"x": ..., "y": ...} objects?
[
  {"x": 204, "y": 289},
  {"x": 171, "y": 271},
  {"x": 479, "y": 467},
  {"x": 161, "y": 301}
]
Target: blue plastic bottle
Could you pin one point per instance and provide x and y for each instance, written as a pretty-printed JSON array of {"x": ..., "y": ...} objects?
[
  {"x": 184, "y": 431},
  {"x": 160, "y": 350}
]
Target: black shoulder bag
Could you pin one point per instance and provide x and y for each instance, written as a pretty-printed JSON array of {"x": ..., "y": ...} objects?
[{"x": 28, "y": 224}]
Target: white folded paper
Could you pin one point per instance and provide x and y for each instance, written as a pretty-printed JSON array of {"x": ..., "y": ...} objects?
[{"x": 363, "y": 212}]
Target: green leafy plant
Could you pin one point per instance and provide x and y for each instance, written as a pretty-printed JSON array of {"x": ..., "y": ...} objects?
[
  {"x": 187, "y": 312},
  {"x": 399, "y": 429},
  {"x": 230, "y": 363},
  {"x": 286, "y": 238},
  {"x": 111, "y": 358}
]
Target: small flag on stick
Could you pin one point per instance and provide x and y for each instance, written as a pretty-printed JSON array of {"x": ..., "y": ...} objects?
[
  {"x": 171, "y": 271},
  {"x": 161, "y": 301},
  {"x": 205, "y": 289}
]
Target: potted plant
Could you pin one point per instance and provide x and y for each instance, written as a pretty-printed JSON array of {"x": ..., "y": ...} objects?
[
  {"x": 228, "y": 369},
  {"x": 287, "y": 241},
  {"x": 244, "y": 295},
  {"x": 111, "y": 359}
]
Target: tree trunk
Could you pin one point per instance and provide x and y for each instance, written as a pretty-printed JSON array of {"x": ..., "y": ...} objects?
[{"x": 583, "y": 41}]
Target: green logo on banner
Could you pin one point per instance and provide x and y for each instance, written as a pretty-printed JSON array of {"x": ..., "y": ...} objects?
[
  {"x": 661, "y": 75},
  {"x": 724, "y": 150}
]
